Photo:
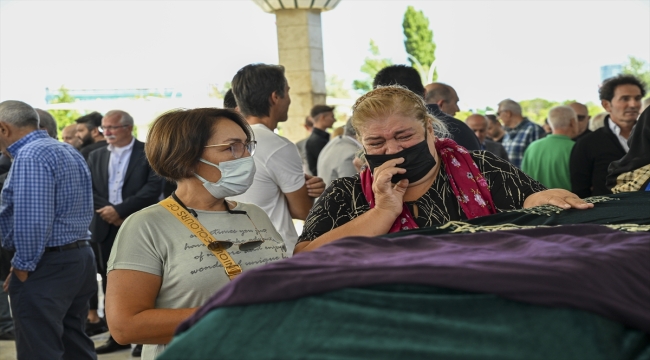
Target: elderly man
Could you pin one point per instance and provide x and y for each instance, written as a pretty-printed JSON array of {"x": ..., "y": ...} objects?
[
  {"x": 582, "y": 114},
  {"x": 621, "y": 97},
  {"x": 280, "y": 188},
  {"x": 520, "y": 132},
  {"x": 69, "y": 136},
  {"x": 44, "y": 216},
  {"x": 547, "y": 160},
  {"x": 123, "y": 183},
  {"x": 479, "y": 124}
]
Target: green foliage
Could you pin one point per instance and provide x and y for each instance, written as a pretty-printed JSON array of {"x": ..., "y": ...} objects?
[
  {"x": 594, "y": 109},
  {"x": 639, "y": 68},
  {"x": 336, "y": 87},
  {"x": 63, "y": 117},
  {"x": 463, "y": 115},
  {"x": 215, "y": 92},
  {"x": 371, "y": 66},
  {"x": 418, "y": 42},
  {"x": 536, "y": 110}
]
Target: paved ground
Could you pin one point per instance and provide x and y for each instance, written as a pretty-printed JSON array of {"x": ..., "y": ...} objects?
[{"x": 8, "y": 350}]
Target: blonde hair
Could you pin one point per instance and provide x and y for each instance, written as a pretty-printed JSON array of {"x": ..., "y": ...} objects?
[{"x": 390, "y": 100}]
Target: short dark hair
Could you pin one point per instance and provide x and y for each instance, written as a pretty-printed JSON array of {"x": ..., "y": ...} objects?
[
  {"x": 439, "y": 92},
  {"x": 492, "y": 117},
  {"x": 229, "y": 101},
  {"x": 177, "y": 138},
  {"x": 253, "y": 85},
  {"x": 319, "y": 109},
  {"x": 92, "y": 120},
  {"x": 606, "y": 91},
  {"x": 403, "y": 75},
  {"x": 309, "y": 122}
]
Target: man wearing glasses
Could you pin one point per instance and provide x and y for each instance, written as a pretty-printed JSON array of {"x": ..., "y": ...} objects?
[
  {"x": 583, "y": 119},
  {"x": 520, "y": 132},
  {"x": 123, "y": 183}
]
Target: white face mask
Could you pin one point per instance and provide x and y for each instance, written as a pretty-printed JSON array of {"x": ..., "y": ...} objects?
[{"x": 236, "y": 177}]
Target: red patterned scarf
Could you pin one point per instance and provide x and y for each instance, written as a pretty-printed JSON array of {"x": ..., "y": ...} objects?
[{"x": 467, "y": 183}]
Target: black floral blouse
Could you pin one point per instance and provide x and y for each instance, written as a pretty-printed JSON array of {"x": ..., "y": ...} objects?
[{"x": 343, "y": 200}]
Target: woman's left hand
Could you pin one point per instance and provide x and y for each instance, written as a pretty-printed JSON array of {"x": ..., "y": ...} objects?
[{"x": 558, "y": 197}]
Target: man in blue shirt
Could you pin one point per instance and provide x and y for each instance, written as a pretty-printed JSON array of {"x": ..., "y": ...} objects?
[
  {"x": 520, "y": 132},
  {"x": 45, "y": 212}
]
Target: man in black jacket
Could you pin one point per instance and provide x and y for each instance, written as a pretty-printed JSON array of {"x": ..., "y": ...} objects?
[
  {"x": 323, "y": 117},
  {"x": 409, "y": 78},
  {"x": 621, "y": 97},
  {"x": 123, "y": 183}
]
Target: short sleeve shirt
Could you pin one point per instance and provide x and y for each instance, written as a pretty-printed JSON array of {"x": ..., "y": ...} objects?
[{"x": 278, "y": 172}]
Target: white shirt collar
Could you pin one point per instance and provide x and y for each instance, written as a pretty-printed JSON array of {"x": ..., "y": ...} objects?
[
  {"x": 119, "y": 150},
  {"x": 617, "y": 131}
]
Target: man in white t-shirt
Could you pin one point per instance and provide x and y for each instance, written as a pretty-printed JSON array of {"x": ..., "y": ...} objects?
[{"x": 281, "y": 188}]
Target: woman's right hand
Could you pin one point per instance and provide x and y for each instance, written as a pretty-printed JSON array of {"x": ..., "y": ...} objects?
[{"x": 388, "y": 196}]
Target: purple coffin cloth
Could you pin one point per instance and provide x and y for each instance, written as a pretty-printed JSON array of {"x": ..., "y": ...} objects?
[{"x": 589, "y": 267}]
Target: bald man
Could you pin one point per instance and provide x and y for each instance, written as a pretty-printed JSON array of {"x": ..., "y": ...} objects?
[
  {"x": 547, "y": 160},
  {"x": 479, "y": 125},
  {"x": 583, "y": 117},
  {"x": 442, "y": 95},
  {"x": 69, "y": 135}
]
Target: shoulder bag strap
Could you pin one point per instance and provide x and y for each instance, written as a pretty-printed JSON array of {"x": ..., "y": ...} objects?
[{"x": 191, "y": 223}]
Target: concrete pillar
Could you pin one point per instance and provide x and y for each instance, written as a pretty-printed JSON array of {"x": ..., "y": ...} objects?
[{"x": 300, "y": 49}]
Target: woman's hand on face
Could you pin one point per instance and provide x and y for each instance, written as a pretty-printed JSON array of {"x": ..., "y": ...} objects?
[
  {"x": 389, "y": 196},
  {"x": 558, "y": 197}
]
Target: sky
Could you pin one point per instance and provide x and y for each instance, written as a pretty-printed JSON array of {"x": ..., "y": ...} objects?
[{"x": 487, "y": 50}]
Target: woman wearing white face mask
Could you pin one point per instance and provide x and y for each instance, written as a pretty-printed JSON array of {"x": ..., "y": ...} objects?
[{"x": 169, "y": 258}]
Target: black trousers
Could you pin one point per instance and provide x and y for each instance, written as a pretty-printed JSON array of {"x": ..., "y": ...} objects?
[
  {"x": 102, "y": 252},
  {"x": 51, "y": 306}
]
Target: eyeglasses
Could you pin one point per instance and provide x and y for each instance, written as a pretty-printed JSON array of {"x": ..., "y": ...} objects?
[
  {"x": 112, "y": 128},
  {"x": 238, "y": 149},
  {"x": 582, "y": 117}
]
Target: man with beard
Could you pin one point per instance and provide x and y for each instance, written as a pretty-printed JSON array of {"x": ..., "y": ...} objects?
[{"x": 89, "y": 133}]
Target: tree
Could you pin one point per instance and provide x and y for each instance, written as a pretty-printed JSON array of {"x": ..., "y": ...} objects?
[
  {"x": 418, "y": 42},
  {"x": 336, "y": 87},
  {"x": 371, "y": 66},
  {"x": 639, "y": 68},
  {"x": 64, "y": 117},
  {"x": 215, "y": 92},
  {"x": 537, "y": 109}
]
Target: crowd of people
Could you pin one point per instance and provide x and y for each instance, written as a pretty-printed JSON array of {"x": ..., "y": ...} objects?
[{"x": 213, "y": 192}]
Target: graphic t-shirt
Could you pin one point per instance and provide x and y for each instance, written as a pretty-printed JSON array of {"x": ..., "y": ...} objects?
[{"x": 154, "y": 241}]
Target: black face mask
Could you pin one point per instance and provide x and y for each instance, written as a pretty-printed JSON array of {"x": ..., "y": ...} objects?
[{"x": 418, "y": 161}]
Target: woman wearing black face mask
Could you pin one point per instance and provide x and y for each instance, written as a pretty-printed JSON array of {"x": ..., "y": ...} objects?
[{"x": 417, "y": 177}]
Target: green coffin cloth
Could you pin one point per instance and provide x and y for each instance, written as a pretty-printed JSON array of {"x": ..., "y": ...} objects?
[{"x": 406, "y": 322}]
